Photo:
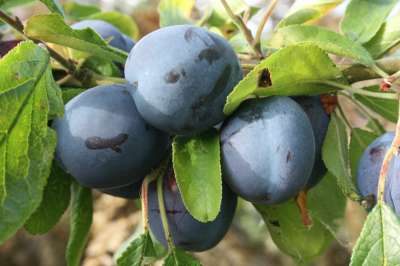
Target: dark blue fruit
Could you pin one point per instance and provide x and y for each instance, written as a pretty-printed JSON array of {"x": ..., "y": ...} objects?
[
  {"x": 369, "y": 168},
  {"x": 182, "y": 76},
  {"x": 319, "y": 119},
  {"x": 108, "y": 32},
  {"x": 188, "y": 233},
  {"x": 131, "y": 191},
  {"x": 102, "y": 140},
  {"x": 268, "y": 150}
]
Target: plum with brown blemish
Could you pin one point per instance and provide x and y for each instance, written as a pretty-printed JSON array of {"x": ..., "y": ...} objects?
[
  {"x": 319, "y": 120},
  {"x": 188, "y": 233},
  {"x": 103, "y": 142},
  {"x": 268, "y": 150},
  {"x": 182, "y": 76},
  {"x": 369, "y": 169}
]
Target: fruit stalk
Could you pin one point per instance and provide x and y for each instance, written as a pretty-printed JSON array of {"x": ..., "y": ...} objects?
[
  {"x": 163, "y": 213},
  {"x": 393, "y": 151}
]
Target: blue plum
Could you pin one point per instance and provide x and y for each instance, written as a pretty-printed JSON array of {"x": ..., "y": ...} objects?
[
  {"x": 319, "y": 119},
  {"x": 108, "y": 32},
  {"x": 368, "y": 173},
  {"x": 131, "y": 191},
  {"x": 188, "y": 233},
  {"x": 103, "y": 141},
  {"x": 268, "y": 150},
  {"x": 182, "y": 76}
]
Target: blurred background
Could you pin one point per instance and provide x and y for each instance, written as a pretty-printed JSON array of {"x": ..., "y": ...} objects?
[{"x": 115, "y": 220}]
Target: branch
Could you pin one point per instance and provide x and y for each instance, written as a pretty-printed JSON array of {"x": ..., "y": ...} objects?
[
  {"x": 243, "y": 28},
  {"x": 380, "y": 95},
  {"x": 264, "y": 20},
  {"x": 393, "y": 150},
  {"x": 84, "y": 76}
]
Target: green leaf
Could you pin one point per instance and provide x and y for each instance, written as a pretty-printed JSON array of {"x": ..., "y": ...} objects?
[
  {"x": 52, "y": 28},
  {"x": 290, "y": 234},
  {"x": 121, "y": 21},
  {"x": 138, "y": 253},
  {"x": 178, "y": 257},
  {"x": 308, "y": 67},
  {"x": 198, "y": 174},
  {"x": 68, "y": 94},
  {"x": 78, "y": 11},
  {"x": 8, "y": 4},
  {"x": 54, "y": 6},
  {"x": 386, "y": 108},
  {"x": 360, "y": 139},
  {"x": 387, "y": 37},
  {"x": 378, "y": 243},
  {"x": 175, "y": 12},
  {"x": 81, "y": 220},
  {"x": 363, "y": 18},
  {"x": 326, "y": 39},
  {"x": 335, "y": 154},
  {"x": 55, "y": 201},
  {"x": 26, "y": 145},
  {"x": 304, "y": 11}
]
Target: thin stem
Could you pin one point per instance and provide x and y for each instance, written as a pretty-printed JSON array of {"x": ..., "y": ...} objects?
[
  {"x": 388, "y": 96},
  {"x": 393, "y": 150},
  {"x": 248, "y": 66},
  {"x": 163, "y": 213},
  {"x": 264, "y": 21},
  {"x": 346, "y": 121},
  {"x": 363, "y": 110},
  {"x": 379, "y": 71},
  {"x": 15, "y": 23},
  {"x": 144, "y": 203},
  {"x": 243, "y": 28}
]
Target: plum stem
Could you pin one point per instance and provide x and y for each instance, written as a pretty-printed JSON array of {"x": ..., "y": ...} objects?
[
  {"x": 144, "y": 202},
  {"x": 301, "y": 201},
  {"x": 393, "y": 150},
  {"x": 154, "y": 174},
  {"x": 264, "y": 20},
  {"x": 163, "y": 213},
  {"x": 243, "y": 28}
]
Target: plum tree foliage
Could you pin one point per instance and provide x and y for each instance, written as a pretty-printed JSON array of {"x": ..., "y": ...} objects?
[{"x": 198, "y": 113}]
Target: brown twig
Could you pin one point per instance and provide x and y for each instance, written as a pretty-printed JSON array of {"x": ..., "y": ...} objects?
[
  {"x": 243, "y": 28},
  {"x": 393, "y": 150},
  {"x": 301, "y": 202},
  {"x": 83, "y": 76},
  {"x": 264, "y": 21}
]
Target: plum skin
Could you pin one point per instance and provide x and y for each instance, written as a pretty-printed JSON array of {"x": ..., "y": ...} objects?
[
  {"x": 182, "y": 87},
  {"x": 268, "y": 150},
  {"x": 188, "y": 233},
  {"x": 102, "y": 140},
  {"x": 131, "y": 191},
  {"x": 319, "y": 120},
  {"x": 369, "y": 169},
  {"x": 107, "y": 32}
]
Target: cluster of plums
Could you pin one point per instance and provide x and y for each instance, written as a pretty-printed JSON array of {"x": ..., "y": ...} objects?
[{"x": 111, "y": 136}]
